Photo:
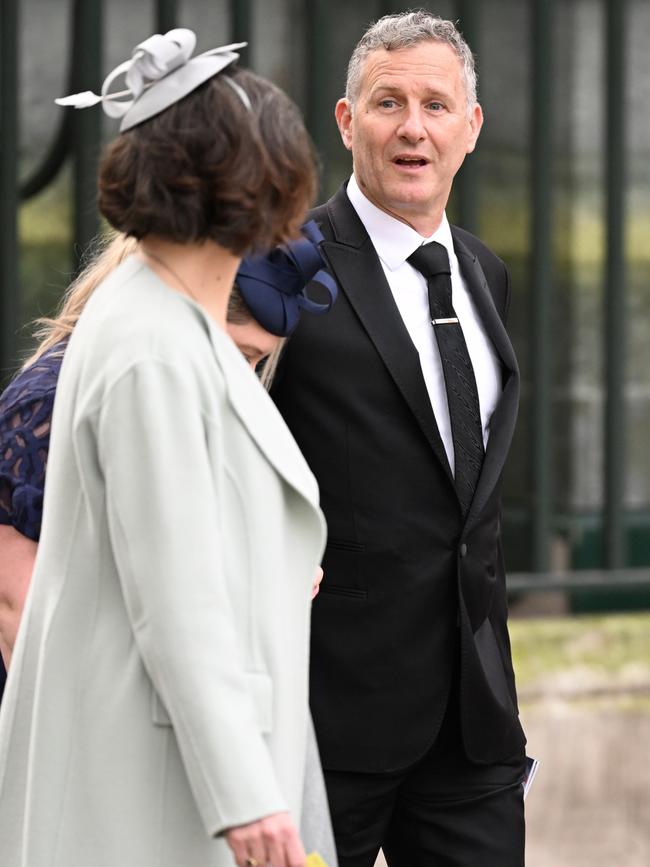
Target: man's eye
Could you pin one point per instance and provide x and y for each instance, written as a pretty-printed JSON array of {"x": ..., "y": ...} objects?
[
  {"x": 387, "y": 103},
  {"x": 435, "y": 106}
]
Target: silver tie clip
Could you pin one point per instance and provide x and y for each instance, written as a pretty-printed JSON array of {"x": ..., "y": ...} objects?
[{"x": 449, "y": 321}]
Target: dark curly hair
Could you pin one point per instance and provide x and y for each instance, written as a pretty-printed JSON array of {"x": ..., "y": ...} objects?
[{"x": 208, "y": 168}]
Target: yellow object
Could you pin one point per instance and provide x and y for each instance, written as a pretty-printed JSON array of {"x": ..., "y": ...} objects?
[{"x": 314, "y": 860}]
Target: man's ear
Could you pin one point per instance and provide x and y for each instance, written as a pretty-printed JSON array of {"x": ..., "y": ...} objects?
[
  {"x": 475, "y": 124},
  {"x": 343, "y": 114}
]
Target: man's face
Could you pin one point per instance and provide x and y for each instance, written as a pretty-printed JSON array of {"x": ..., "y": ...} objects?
[{"x": 409, "y": 130}]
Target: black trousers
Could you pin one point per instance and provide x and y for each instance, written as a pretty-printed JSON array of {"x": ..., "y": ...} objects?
[{"x": 443, "y": 811}]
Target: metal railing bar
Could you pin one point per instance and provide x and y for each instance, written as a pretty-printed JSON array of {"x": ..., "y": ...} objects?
[
  {"x": 317, "y": 19},
  {"x": 9, "y": 291},
  {"x": 385, "y": 7},
  {"x": 165, "y": 15},
  {"x": 467, "y": 184},
  {"x": 62, "y": 143},
  {"x": 541, "y": 160},
  {"x": 587, "y": 579},
  {"x": 241, "y": 29},
  {"x": 86, "y": 144},
  {"x": 615, "y": 295},
  {"x": 53, "y": 160}
]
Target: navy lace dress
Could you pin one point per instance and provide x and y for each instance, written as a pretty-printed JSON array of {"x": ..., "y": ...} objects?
[{"x": 25, "y": 415}]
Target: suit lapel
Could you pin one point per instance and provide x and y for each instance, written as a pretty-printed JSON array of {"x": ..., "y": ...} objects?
[
  {"x": 478, "y": 287},
  {"x": 358, "y": 270},
  {"x": 360, "y": 275},
  {"x": 502, "y": 423}
]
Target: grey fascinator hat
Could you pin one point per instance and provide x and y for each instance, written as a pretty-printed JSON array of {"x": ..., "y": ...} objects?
[{"x": 160, "y": 72}]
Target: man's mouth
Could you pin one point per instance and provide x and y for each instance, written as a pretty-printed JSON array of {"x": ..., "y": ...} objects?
[{"x": 410, "y": 161}]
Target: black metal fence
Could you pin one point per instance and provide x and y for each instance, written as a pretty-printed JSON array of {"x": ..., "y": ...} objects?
[{"x": 78, "y": 139}]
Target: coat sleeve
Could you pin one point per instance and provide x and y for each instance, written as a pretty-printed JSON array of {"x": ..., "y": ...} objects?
[{"x": 163, "y": 505}]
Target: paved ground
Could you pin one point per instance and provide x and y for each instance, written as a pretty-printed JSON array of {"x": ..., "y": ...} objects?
[{"x": 589, "y": 805}]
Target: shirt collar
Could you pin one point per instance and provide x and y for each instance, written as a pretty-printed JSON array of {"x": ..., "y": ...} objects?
[{"x": 393, "y": 240}]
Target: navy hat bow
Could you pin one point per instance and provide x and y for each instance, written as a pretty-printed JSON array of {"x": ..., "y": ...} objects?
[{"x": 273, "y": 286}]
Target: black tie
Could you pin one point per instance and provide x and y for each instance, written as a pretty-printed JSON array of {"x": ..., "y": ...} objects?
[{"x": 462, "y": 395}]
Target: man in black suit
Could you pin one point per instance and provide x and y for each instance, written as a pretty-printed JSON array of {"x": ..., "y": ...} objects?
[{"x": 403, "y": 400}]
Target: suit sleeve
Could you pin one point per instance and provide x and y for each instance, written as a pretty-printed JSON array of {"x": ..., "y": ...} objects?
[{"x": 163, "y": 504}]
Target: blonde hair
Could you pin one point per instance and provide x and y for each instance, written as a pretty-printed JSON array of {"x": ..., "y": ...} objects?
[
  {"x": 270, "y": 365},
  {"x": 51, "y": 330},
  {"x": 112, "y": 251},
  {"x": 239, "y": 314}
]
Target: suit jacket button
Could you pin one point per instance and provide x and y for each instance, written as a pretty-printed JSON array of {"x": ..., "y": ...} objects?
[{"x": 463, "y": 550}]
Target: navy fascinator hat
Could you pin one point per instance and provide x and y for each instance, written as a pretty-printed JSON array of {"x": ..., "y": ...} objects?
[{"x": 273, "y": 286}]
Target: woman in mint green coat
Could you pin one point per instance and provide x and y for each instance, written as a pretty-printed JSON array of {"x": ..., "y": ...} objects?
[{"x": 156, "y": 710}]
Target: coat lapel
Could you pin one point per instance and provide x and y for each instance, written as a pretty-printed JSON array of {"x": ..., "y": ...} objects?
[
  {"x": 355, "y": 263},
  {"x": 502, "y": 423},
  {"x": 260, "y": 417}
]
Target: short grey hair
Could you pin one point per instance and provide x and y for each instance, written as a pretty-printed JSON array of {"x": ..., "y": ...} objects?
[{"x": 403, "y": 30}]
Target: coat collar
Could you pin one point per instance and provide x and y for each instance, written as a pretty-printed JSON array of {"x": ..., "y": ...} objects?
[
  {"x": 357, "y": 268},
  {"x": 258, "y": 413}
]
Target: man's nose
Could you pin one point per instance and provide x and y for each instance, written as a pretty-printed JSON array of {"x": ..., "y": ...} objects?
[{"x": 412, "y": 127}]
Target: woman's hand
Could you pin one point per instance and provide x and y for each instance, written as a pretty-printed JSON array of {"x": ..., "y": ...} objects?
[
  {"x": 315, "y": 587},
  {"x": 272, "y": 840}
]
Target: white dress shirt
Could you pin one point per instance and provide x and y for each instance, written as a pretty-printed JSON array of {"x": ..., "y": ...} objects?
[{"x": 394, "y": 242}]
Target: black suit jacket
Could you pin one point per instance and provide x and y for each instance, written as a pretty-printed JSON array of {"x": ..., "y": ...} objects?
[{"x": 413, "y": 596}]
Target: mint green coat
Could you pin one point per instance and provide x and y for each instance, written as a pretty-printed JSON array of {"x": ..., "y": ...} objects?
[{"x": 158, "y": 689}]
